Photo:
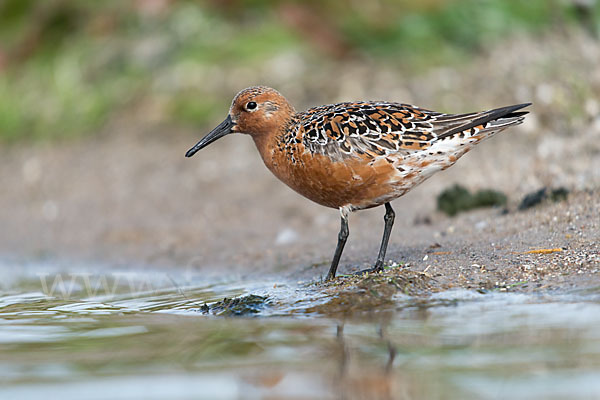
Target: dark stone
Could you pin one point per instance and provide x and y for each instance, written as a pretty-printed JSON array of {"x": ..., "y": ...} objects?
[{"x": 537, "y": 197}]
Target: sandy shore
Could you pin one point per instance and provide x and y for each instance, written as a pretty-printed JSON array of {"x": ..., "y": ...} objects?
[
  {"x": 128, "y": 197},
  {"x": 126, "y": 201}
]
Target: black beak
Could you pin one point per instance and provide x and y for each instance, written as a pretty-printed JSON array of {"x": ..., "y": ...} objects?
[{"x": 223, "y": 129}]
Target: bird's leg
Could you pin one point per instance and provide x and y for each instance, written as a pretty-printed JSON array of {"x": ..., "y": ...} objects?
[
  {"x": 389, "y": 222},
  {"x": 342, "y": 236}
]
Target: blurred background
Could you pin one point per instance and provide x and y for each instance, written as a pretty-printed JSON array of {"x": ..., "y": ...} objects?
[
  {"x": 113, "y": 244},
  {"x": 100, "y": 100},
  {"x": 69, "y": 67}
]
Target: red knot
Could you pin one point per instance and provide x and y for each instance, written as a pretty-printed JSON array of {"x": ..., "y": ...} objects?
[{"x": 356, "y": 155}]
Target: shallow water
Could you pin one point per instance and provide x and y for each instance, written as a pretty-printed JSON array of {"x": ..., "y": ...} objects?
[{"x": 74, "y": 333}]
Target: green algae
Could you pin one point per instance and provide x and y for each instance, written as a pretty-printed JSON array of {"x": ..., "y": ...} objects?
[
  {"x": 458, "y": 199},
  {"x": 237, "y": 307}
]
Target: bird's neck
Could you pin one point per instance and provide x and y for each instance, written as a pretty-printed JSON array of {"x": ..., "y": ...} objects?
[{"x": 268, "y": 142}]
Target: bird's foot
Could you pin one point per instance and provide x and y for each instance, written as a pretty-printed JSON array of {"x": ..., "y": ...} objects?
[
  {"x": 375, "y": 270},
  {"x": 329, "y": 277}
]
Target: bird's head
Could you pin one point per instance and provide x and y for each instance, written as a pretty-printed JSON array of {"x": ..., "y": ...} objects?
[{"x": 257, "y": 111}]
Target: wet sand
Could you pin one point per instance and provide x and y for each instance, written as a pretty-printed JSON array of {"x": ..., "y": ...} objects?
[
  {"x": 132, "y": 200},
  {"x": 128, "y": 197}
]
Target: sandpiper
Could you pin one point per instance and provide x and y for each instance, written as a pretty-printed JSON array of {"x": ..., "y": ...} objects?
[{"x": 356, "y": 155}]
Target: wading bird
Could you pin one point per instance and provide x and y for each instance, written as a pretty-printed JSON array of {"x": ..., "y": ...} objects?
[{"x": 356, "y": 155}]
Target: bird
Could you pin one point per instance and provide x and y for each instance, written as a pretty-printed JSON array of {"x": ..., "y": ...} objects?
[{"x": 355, "y": 155}]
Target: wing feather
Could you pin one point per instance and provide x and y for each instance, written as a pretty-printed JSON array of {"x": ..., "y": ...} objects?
[{"x": 381, "y": 129}]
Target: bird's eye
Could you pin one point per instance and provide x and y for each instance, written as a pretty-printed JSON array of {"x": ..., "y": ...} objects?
[{"x": 251, "y": 105}]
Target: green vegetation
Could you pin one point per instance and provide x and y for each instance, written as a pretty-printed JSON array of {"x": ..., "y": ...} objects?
[
  {"x": 237, "y": 307},
  {"x": 66, "y": 67},
  {"x": 457, "y": 199}
]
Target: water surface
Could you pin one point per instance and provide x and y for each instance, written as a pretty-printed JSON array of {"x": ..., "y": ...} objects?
[{"x": 129, "y": 334}]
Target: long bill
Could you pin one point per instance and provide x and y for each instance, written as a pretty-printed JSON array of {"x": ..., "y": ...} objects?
[{"x": 224, "y": 128}]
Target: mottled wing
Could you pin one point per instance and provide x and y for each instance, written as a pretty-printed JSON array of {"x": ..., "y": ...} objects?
[
  {"x": 364, "y": 129},
  {"x": 379, "y": 129}
]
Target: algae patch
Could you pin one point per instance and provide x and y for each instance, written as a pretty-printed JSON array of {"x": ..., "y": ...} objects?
[
  {"x": 372, "y": 292},
  {"x": 457, "y": 199},
  {"x": 239, "y": 306}
]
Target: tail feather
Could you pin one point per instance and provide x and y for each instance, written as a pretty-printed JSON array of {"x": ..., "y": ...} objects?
[
  {"x": 491, "y": 120},
  {"x": 454, "y": 135}
]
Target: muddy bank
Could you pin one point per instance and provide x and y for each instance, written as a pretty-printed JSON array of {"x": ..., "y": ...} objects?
[
  {"x": 129, "y": 197},
  {"x": 136, "y": 201}
]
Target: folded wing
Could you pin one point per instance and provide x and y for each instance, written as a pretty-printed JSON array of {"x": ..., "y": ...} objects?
[{"x": 373, "y": 130}]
